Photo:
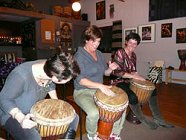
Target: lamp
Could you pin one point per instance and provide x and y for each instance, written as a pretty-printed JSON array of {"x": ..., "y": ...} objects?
[{"x": 76, "y": 6}]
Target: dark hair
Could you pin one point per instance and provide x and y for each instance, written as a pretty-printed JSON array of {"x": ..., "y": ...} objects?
[
  {"x": 134, "y": 36},
  {"x": 92, "y": 32},
  {"x": 62, "y": 66}
]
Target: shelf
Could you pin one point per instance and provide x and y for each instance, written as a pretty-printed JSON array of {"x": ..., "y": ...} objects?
[
  {"x": 16, "y": 15},
  {"x": 169, "y": 78}
]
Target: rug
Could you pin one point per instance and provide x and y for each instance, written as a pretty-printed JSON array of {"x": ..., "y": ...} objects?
[{"x": 141, "y": 132}]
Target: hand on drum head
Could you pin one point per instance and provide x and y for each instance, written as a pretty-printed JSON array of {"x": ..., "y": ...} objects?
[
  {"x": 106, "y": 90},
  {"x": 27, "y": 123}
]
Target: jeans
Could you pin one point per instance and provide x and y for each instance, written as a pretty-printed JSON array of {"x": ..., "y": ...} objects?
[
  {"x": 18, "y": 133},
  {"x": 84, "y": 98}
]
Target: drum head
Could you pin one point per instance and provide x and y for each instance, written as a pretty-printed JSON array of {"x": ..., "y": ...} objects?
[
  {"x": 53, "y": 112},
  {"x": 148, "y": 85},
  {"x": 120, "y": 99}
]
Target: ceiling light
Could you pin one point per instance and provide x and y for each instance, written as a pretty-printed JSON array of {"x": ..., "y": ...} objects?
[{"x": 76, "y": 6}]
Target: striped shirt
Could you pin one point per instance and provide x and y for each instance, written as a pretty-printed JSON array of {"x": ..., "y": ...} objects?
[{"x": 126, "y": 65}]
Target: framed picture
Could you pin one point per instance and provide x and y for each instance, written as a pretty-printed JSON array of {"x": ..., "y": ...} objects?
[
  {"x": 166, "y": 30},
  {"x": 100, "y": 10},
  {"x": 181, "y": 35},
  {"x": 129, "y": 30},
  {"x": 147, "y": 32}
]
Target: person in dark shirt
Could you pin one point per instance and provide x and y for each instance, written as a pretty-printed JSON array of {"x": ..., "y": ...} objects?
[
  {"x": 126, "y": 59},
  {"x": 29, "y": 83}
]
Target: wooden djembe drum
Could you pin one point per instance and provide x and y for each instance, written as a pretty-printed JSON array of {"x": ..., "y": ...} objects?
[
  {"x": 111, "y": 109},
  {"x": 53, "y": 117},
  {"x": 182, "y": 57},
  {"x": 143, "y": 90}
]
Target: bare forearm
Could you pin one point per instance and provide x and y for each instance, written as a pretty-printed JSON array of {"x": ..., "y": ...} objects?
[
  {"x": 53, "y": 94},
  {"x": 89, "y": 84}
]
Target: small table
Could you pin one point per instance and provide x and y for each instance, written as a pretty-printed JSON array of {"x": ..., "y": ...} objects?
[{"x": 169, "y": 79}]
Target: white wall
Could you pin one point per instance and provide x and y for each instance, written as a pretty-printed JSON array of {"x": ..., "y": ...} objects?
[{"x": 134, "y": 13}]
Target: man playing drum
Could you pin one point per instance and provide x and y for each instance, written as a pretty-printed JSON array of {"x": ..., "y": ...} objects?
[
  {"x": 32, "y": 82},
  {"x": 126, "y": 59}
]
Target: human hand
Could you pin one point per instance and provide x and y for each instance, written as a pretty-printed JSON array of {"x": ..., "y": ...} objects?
[
  {"x": 138, "y": 77},
  {"x": 113, "y": 65},
  {"x": 106, "y": 90},
  {"x": 27, "y": 123}
]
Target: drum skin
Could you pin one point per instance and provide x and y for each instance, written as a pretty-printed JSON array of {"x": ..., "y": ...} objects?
[
  {"x": 142, "y": 89},
  {"x": 111, "y": 108},
  {"x": 53, "y": 116}
]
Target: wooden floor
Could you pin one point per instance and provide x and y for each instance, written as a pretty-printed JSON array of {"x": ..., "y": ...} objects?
[{"x": 171, "y": 98}]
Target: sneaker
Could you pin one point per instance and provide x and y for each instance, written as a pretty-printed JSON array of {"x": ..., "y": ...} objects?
[
  {"x": 93, "y": 138},
  {"x": 114, "y": 137}
]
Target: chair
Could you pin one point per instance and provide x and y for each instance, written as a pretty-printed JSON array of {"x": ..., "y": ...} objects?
[{"x": 155, "y": 72}]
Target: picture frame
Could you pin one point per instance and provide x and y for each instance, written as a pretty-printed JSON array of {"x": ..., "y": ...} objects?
[
  {"x": 100, "y": 10},
  {"x": 181, "y": 35},
  {"x": 147, "y": 32},
  {"x": 127, "y": 31},
  {"x": 166, "y": 30}
]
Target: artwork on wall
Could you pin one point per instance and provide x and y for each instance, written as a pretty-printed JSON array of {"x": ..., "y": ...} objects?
[
  {"x": 129, "y": 30},
  {"x": 147, "y": 32},
  {"x": 166, "y": 30},
  {"x": 66, "y": 34},
  {"x": 100, "y": 10},
  {"x": 181, "y": 35}
]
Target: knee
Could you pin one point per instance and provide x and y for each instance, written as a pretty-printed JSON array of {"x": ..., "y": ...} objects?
[{"x": 93, "y": 114}]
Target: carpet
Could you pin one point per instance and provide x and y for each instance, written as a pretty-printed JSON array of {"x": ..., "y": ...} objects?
[{"x": 141, "y": 132}]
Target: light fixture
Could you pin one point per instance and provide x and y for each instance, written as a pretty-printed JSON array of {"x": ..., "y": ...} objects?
[{"x": 76, "y": 6}]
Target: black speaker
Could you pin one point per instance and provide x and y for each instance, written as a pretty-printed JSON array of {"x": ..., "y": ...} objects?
[{"x": 84, "y": 17}]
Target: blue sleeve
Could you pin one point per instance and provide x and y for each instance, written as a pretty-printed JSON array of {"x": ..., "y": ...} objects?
[
  {"x": 13, "y": 88},
  {"x": 82, "y": 75}
]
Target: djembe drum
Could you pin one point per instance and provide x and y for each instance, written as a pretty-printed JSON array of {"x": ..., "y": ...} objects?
[
  {"x": 53, "y": 117},
  {"x": 111, "y": 109},
  {"x": 143, "y": 90}
]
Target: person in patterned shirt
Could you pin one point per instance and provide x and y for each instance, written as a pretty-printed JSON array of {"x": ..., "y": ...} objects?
[{"x": 126, "y": 59}]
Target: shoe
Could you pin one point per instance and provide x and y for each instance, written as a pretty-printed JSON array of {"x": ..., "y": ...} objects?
[
  {"x": 93, "y": 138},
  {"x": 114, "y": 137},
  {"x": 162, "y": 123}
]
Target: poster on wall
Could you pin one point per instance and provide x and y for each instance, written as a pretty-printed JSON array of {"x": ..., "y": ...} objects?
[
  {"x": 65, "y": 35},
  {"x": 166, "y": 30},
  {"x": 147, "y": 32},
  {"x": 100, "y": 10},
  {"x": 181, "y": 35}
]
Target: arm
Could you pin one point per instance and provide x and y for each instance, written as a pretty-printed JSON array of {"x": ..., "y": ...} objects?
[
  {"x": 133, "y": 75},
  {"x": 53, "y": 94},
  {"x": 112, "y": 66},
  {"x": 94, "y": 85},
  {"x": 8, "y": 96}
]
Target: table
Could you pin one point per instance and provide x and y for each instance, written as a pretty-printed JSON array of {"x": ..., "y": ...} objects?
[{"x": 169, "y": 78}]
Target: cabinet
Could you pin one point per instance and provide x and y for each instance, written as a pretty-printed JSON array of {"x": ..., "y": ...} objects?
[{"x": 42, "y": 29}]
